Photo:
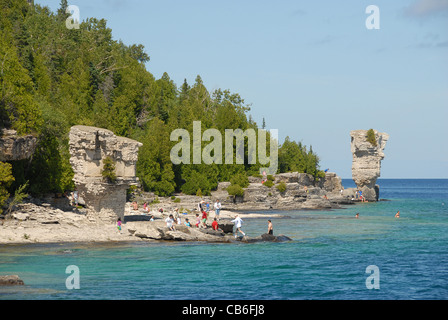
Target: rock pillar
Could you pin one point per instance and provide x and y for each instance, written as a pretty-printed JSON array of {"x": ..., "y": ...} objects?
[
  {"x": 88, "y": 148},
  {"x": 367, "y": 158}
]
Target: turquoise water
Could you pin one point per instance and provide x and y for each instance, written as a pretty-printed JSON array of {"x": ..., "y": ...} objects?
[{"x": 327, "y": 258}]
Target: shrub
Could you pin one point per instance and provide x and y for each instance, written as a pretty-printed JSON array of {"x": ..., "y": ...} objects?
[
  {"x": 6, "y": 179},
  {"x": 108, "y": 171},
  {"x": 235, "y": 190},
  {"x": 156, "y": 200},
  {"x": 281, "y": 187},
  {"x": 268, "y": 183},
  {"x": 240, "y": 179},
  {"x": 19, "y": 195},
  {"x": 270, "y": 177},
  {"x": 371, "y": 137}
]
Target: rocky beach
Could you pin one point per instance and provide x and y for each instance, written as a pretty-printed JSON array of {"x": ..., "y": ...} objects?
[
  {"x": 43, "y": 223},
  {"x": 55, "y": 219}
]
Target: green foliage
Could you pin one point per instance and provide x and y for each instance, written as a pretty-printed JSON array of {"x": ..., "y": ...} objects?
[
  {"x": 294, "y": 157},
  {"x": 19, "y": 195},
  {"x": 154, "y": 166},
  {"x": 6, "y": 179},
  {"x": 195, "y": 182},
  {"x": 235, "y": 190},
  {"x": 270, "y": 177},
  {"x": 268, "y": 183},
  {"x": 371, "y": 137},
  {"x": 156, "y": 200},
  {"x": 52, "y": 78},
  {"x": 108, "y": 171},
  {"x": 281, "y": 187},
  {"x": 240, "y": 179}
]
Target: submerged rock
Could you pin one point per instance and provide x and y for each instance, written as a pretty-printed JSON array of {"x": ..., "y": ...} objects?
[{"x": 266, "y": 237}]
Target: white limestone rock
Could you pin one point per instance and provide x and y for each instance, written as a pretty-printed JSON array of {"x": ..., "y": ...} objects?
[{"x": 366, "y": 166}]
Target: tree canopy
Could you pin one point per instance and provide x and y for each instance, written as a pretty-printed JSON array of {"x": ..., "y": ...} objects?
[{"x": 52, "y": 78}]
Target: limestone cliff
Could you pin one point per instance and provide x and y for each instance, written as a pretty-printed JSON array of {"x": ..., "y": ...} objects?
[
  {"x": 366, "y": 166},
  {"x": 14, "y": 147},
  {"x": 88, "y": 147}
]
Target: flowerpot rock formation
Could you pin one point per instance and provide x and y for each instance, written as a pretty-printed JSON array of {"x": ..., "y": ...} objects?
[
  {"x": 366, "y": 164},
  {"x": 89, "y": 146}
]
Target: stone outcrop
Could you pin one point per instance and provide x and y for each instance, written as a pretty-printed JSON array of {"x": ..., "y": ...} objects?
[
  {"x": 157, "y": 230},
  {"x": 366, "y": 164},
  {"x": 14, "y": 147},
  {"x": 302, "y": 192},
  {"x": 12, "y": 280},
  {"x": 266, "y": 238},
  {"x": 89, "y": 146}
]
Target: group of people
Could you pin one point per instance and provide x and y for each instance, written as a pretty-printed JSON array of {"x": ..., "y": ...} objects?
[
  {"x": 359, "y": 196},
  {"x": 201, "y": 220}
]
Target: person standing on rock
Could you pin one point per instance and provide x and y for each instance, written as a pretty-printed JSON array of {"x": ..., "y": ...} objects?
[
  {"x": 204, "y": 219},
  {"x": 119, "y": 225},
  {"x": 75, "y": 198},
  {"x": 270, "y": 228},
  {"x": 217, "y": 207},
  {"x": 238, "y": 222}
]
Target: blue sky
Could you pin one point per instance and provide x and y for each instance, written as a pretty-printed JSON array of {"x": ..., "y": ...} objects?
[{"x": 311, "y": 68}]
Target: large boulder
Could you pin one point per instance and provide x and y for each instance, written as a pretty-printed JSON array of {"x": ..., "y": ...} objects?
[{"x": 11, "y": 280}]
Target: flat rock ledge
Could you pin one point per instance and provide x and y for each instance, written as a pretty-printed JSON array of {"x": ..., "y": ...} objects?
[
  {"x": 158, "y": 231},
  {"x": 12, "y": 280},
  {"x": 31, "y": 223}
]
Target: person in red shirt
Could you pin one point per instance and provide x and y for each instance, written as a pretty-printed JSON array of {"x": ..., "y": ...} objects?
[
  {"x": 204, "y": 219},
  {"x": 215, "y": 225}
]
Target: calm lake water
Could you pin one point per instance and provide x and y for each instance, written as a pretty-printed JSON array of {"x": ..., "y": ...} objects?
[{"x": 327, "y": 258}]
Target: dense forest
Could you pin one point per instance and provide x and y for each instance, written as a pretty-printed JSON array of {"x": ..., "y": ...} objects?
[{"x": 52, "y": 78}]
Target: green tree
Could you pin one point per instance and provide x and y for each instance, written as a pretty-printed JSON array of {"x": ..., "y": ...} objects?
[
  {"x": 17, "y": 106},
  {"x": 371, "y": 137},
  {"x": 154, "y": 167},
  {"x": 108, "y": 171},
  {"x": 235, "y": 190},
  {"x": 6, "y": 179}
]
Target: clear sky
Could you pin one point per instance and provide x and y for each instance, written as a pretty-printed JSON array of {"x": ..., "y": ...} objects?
[{"x": 311, "y": 68}]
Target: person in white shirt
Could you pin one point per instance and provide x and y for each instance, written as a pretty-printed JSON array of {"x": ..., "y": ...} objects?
[
  {"x": 238, "y": 222},
  {"x": 169, "y": 223},
  {"x": 217, "y": 207}
]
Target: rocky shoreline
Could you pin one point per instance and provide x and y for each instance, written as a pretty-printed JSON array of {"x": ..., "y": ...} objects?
[
  {"x": 43, "y": 223},
  {"x": 54, "y": 219}
]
